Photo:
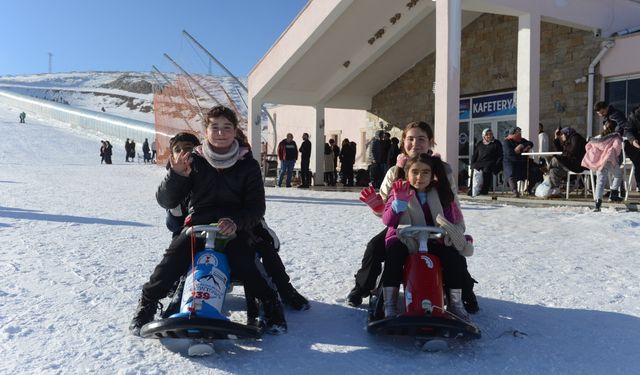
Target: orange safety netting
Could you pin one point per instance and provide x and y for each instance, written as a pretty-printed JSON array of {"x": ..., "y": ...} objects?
[{"x": 180, "y": 106}]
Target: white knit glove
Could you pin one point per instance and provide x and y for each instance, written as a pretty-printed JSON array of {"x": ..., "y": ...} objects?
[{"x": 455, "y": 237}]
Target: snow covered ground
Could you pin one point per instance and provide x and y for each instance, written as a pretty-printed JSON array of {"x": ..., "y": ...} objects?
[{"x": 559, "y": 287}]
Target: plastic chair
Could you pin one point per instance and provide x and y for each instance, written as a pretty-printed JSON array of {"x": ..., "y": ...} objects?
[{"x": 583, "y": 176}]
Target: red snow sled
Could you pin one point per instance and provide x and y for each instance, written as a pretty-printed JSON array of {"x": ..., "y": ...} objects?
[{"x": 425, "y": 316}]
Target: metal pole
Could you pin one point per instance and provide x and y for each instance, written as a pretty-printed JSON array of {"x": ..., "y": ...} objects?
[
  {"x": 215, "y": 60},
  {"x": 50, "y": 57},
  {"x": 192, "y": 80}
]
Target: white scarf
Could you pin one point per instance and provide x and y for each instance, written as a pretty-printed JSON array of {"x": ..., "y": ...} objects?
[{"x": 221, "y": 161}]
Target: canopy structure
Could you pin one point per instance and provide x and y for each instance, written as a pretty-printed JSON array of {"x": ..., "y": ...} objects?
[{"x": 341, "y": 53}]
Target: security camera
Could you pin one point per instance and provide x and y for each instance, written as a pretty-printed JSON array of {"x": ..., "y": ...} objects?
[{"x": 597, "y": 33}]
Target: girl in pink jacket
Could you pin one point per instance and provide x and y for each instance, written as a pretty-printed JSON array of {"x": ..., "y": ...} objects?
[{"x": 603, "y": 153}]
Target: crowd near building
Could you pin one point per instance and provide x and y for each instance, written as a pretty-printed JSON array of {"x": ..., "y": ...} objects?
[{"x": 346, "y": 69}]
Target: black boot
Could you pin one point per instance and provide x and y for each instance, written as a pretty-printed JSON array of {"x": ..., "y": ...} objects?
[
  {"x": 355, "y": 296},
  {"x": 293, "y": 299},
  {"x": 144, "y": 314},
  {"x": 469, "y": 298},
  {"x": 273, "y": 313},
  {"x": 615, "y": 196},
  {"x": 598, "y": 204}
]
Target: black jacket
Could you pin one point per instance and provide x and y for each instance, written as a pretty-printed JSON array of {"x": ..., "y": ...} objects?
[
  {"x": 487, "y": 157},
  {"x": 236, "y": 192},
  {"x": 305, "y": 150},
  {"x": 573, "y": 150}
]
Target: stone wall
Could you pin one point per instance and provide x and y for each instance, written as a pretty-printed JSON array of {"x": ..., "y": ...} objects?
[{"x": 488, "y": 64}]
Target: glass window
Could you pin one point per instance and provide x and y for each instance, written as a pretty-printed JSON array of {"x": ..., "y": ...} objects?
[
  {"x": 615, "y": 93},
  {"x": 463, "y": 138},
  {"x": 633, "y": 94}
]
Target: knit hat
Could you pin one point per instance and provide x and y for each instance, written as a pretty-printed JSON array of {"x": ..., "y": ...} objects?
[{"x": 567, "y": 131}]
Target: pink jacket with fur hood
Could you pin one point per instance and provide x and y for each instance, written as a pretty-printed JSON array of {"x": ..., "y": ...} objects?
[{"x": 602, "y": 151}]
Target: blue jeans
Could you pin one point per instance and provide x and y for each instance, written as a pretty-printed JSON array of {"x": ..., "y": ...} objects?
[{"x": 286, "y": 166}]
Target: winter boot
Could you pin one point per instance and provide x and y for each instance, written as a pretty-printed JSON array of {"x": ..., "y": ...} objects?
[
  {"x": 615, "y": 196},
  {"x": 455, "y": 305},
  {"x": 293, "y": 299},
  {"x": 144, "y": 314},
  {"x": 597, "y": 206},
  {"x": 355, "y": 296},
  {"x": 274, "y": 320},
  {"x": 469, "y": 297},
  {"x": 390, "y": 295},
  {"x": 253, "y": 310}
]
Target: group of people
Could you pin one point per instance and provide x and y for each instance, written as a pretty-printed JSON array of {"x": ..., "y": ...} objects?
[
  {"x": 148, "y": 151},
  {"x": 382, "y": 152},
  {"x": 288, "y": 155},
  {"x": 219, "y": 182},
  {"x": 106, "y": 150},
  {"x": 601, "y": 154},
  {"x": 419, "y": 189}
]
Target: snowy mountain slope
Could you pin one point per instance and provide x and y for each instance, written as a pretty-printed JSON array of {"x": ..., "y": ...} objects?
[
  {"x": 559, "y": 287},
  {"x": 126, "y": 94}
]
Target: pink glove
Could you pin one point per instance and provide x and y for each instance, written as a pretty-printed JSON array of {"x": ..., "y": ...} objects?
[
  {"x": 372, "y": 199},
  {"x": 402, "y": 190}
]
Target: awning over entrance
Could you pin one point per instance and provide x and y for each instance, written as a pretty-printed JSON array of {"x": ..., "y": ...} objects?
[{"x": 341, "y": 53}]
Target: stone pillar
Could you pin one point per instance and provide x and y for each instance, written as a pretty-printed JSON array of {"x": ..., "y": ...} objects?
[
  {"x": 317, "y": 147},
  {"x": 528, "y": 94},
  {"x": 447, "y": 87}
]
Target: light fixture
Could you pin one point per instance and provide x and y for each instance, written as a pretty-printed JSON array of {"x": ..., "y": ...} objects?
[{"x": 346, "y": 63}]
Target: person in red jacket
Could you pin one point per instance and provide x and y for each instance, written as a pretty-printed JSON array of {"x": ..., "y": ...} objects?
[{"x": 288, "y": 154}]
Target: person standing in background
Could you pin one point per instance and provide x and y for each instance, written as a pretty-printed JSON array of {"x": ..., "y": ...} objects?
[
  {"x": 305, "y": 157},
  {"x": 288, "y": 154}
]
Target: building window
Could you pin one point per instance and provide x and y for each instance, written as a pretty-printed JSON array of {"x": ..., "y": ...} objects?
[{"x": 624, "y": 94}]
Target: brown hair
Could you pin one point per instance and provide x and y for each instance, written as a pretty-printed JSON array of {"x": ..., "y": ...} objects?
[
  {"x": 420, "y": 125},
  {"x": 221, "y": 111},
  {"x": 609, "y": 127}
]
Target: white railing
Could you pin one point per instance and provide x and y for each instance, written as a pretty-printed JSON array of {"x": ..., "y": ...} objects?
[{"x": 103, "y": 123}]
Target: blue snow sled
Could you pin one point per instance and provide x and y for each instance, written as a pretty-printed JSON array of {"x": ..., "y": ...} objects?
[{"x": 201, "y": 301}]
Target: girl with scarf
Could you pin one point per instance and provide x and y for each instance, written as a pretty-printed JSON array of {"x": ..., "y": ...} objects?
[
  {"x": 602, "y": 153},
  {"x": 225, "y": 187},
  {"x": 417, "y": 138},
  {"x": 425, "y": 198}
]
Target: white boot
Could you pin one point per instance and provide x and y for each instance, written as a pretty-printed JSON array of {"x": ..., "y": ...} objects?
[
  {"x": 455, "y": 305},
  {"x": 390, "y": 295}
]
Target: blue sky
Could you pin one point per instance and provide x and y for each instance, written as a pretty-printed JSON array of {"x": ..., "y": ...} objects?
[{"x": 119, "y": 35}]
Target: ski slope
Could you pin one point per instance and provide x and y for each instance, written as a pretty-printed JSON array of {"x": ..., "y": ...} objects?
[{"x": 559, "y": 287}]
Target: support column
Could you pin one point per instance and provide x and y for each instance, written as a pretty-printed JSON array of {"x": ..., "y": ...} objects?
[
  {"x": 254, "y": 127},
  {"x": 447, "y": 86},
  {"x": 528, "y": 94},
  {"x": 317, "y": 147}
]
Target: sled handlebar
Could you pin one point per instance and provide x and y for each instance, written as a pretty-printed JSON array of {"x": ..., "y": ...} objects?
[
  {"x": 422, "y": 233},
  {"x": 208, "y": 232}
]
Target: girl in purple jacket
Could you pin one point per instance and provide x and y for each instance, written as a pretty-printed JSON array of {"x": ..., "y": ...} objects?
[{"x": 425, "y": 198}]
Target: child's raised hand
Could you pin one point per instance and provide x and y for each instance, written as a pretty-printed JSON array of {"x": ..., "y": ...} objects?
[
  {"x": 402, "y": 190},
  {"x": 182, "y": 164},
  {"x": 372, "y": 199}
]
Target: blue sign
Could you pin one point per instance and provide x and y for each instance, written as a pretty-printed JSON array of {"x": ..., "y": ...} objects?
[
  {"x": 465, "y": 109},
  {"x": 493, "y": 105}
]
